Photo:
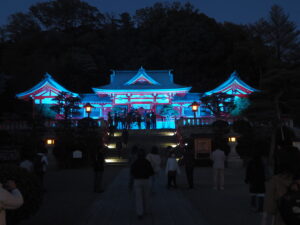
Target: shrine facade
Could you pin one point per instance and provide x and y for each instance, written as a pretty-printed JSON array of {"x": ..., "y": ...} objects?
[{"x": 145, "y": 90}]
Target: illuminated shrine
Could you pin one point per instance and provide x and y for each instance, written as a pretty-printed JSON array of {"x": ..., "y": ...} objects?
[{"x": 144, "y": 90}]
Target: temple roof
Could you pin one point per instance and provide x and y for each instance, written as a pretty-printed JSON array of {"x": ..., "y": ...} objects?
[
  {"x": 141, "y": 80},
  {"x": 48, "y": 83},
  {"x": 233, "y": 86},
  {"x": 94, "y": 98}
]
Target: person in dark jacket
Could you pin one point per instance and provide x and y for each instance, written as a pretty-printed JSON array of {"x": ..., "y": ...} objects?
[
  {"x": 189, "y": 164},
  {"x": 255, "y": 177},
  {"x": 141, "y": 171},
  {"x": 98, "y": 171}
]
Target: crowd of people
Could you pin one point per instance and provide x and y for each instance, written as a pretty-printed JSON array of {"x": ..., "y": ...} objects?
[
  {"x": 268, "y": 193},
  {"x": 145, "y": 119}
]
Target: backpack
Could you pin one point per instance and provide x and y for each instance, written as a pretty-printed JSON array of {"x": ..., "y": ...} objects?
[
  {"x": 38, "y": 164},
  {"x": 289, "y": 205}
]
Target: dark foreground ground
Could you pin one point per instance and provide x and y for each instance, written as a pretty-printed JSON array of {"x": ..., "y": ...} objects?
[{"x": 69, "y": 200}]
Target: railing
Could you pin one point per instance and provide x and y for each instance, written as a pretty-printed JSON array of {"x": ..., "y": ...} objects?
[
  {"x": 25, "y": 125},
  {"x": 193, "y": 122}
]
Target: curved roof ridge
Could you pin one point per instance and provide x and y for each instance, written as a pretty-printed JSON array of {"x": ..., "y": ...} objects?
[
  {"x": 234, "y": 77},
  {"x": 47, "y": 79}
]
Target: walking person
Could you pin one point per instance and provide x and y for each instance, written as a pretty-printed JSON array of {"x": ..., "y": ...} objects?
[
  {"x": 132, "y": 159},
  {"x": 189, "y": 164},
  {"x": 287, "y": 180},
  {"x": 10, "y": 198},
  {"x": 154, "y": 158},
  {"x": 98, "y": 171},
  {"x": 255, "y": 177},
  {"x": 218, "y": 157},
  {"x": 172, "y": 169},
  {"x": 141, "y": 171}
]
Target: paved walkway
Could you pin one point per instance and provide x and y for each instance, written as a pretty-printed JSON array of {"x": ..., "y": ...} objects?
[{"x": 201, "y": 206}]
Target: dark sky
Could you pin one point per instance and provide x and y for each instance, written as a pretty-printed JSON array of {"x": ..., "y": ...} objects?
[{"x": 237, "y": 11}]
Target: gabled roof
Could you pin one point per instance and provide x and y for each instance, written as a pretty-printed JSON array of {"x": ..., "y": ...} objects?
[
  {"x": 154, "y": 80},
  {"x": 233, "y": 86},
  {"x": 47, "y": 83},
  {"x": 142, "y": 76}
]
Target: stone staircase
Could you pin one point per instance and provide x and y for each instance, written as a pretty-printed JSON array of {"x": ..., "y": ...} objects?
[{"x": 162, "y": 138}]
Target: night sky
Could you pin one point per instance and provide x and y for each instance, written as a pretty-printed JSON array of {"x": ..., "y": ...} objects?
[{"x": 237, "y": 11}]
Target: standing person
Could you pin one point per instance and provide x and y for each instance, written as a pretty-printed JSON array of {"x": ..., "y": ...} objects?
[
  {"x": 218, "y": 157},
  {"x": 189, "y": 164},
  {"x": 26, "y": 162},
  {"x": 154, "y": 158},
  {"x": 148, "y": 120},
  {"x": 139, "y": 120},
  {"x": 40, "y": 166},
  {"x": 255, "y": 177},
  {"x": 10, "y": 198},
  {"x": 172, "y": 169},
  {"x": 125, "y": 137},
  {"x": 141, "y": 170},
  {"x": 153, "y": 120},
  {"x": 98, "y": 171},
  {"x": 287, "y": 178}
]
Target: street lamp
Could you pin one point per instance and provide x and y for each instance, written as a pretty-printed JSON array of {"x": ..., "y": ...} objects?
[
  {"x": 50, "y": 141},
  {"x": 88, "y": 108},
  {"x": 194, "y": 106},
  {"x": 234, "y": 160}
]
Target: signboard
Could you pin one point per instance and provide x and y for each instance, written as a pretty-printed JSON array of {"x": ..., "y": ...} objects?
[
  {"x": 8, "y": 155},
  {"x": 77, "y": 154},
  {"x": 202, "y": 146}
]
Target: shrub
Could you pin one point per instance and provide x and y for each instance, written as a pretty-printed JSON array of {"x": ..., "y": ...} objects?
[{"x": 30, "y": 188}]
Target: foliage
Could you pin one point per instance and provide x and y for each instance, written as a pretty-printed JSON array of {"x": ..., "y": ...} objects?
[
  {"x": 240, "y": 104},
  {"x": 66, "y": 105},
  {"x": 30, "y": 188},
  {"x": 220, "y": 127},
  {"x": 66, "y": 15},
  {"x": 280, "y": 33},
  {"x": 168, "y": 111},
  {"x": 219, "y": 104}
]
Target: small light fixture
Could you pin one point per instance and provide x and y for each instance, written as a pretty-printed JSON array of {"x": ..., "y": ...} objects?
[
  {"x": 194, "y": 106},
  {"x": 232, "y": 139},
  {"x": 88, "y": 108},
  {"x": 50, "y": 141}
]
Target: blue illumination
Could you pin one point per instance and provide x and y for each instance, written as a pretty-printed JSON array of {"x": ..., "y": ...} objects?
[
  {"x": 240, "y": 105},
  {"x": 234, "y": 78},
  {"x": 141, "y": 74},
  {"x": 48, "y": 80}
]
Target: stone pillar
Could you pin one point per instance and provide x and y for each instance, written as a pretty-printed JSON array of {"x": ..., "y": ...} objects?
[{"x": 233, "y": 159}]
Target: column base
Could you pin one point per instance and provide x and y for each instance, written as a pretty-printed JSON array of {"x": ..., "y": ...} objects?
[{"x": 235, "y": 162}]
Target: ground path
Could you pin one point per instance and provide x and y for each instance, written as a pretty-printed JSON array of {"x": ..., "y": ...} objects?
[
  {"x": 69, "y": 200},
  {"x": 200, "y": 206}
]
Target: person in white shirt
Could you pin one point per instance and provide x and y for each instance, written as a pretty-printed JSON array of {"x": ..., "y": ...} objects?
[
  {"x": 218, "y": 157},
  {"x": 27, "y": 165},
  {"x": 155, "y": 160},
  {"x": 172, "y": 169},
  {"x": 9, "y": 199}
]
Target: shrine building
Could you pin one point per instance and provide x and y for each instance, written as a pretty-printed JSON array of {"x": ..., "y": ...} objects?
[{"x": 149, "y": 90}]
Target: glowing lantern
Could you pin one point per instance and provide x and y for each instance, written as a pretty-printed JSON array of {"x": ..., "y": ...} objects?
[
  {"x": 50, "y": 141},
  {"x": 88, "y": 108},
  {"x": 194, "y": 106}
]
